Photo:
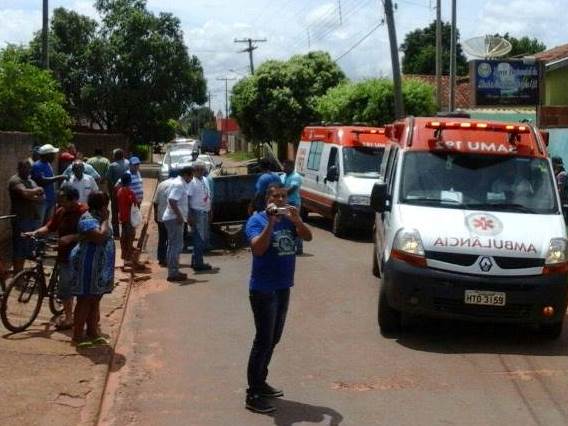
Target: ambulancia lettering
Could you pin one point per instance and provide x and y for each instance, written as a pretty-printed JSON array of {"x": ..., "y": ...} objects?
[{"x": 490, "y": 243}]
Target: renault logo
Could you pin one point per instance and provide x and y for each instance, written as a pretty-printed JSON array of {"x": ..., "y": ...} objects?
[{"x": 485, "y": 264}]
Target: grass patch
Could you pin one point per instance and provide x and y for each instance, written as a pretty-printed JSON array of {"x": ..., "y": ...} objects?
[{"x": 241, "y": 156}]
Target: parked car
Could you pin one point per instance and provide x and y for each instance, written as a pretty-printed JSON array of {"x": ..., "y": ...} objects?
[
  {"x": 179, "y": 158},
  {"x": 184, "y": 143}
]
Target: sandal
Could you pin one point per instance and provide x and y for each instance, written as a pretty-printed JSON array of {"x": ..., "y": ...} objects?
[
  {"x": 84, "y": 344},
  {"x": 99, "y": 341}
]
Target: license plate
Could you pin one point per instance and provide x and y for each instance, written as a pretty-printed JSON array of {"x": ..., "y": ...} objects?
[{"x": 489, "y": 298}]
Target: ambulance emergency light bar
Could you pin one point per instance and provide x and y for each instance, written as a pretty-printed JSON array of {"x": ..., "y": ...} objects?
[
  {"x": 369, "y": 131},
  {"x": 495, "y": 127}
]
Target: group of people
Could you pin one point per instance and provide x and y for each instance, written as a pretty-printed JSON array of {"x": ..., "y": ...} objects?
[
  {"x": 75, "y": 205},
  {"x": 181, "y": 200}
]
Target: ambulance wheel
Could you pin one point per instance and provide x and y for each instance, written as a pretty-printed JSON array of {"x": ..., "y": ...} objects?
[
  {"x": 551, "y": 331},
  {"x": 376, "y": 269},
  {"x": 338, "y": 227},
  {"x": 390, "y": 320},
  {"x": 304, "y": 213}
]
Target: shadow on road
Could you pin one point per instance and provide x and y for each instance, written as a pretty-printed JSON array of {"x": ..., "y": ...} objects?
[
  {"x": 292, "y": 412},
  {"x": 355, "y": 235},
  {"x": 458, "y": 337}
]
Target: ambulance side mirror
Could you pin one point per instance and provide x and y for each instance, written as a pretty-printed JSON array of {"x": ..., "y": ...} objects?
[{"x": 380, "y": 198}]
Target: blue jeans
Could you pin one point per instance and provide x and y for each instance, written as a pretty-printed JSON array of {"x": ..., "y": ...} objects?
[
  {"x": 200, "y": 229},
  {"x": 162, "y": 242},
  {"x": 269, "y": 310},
  {"x": 175, "y": 245}
]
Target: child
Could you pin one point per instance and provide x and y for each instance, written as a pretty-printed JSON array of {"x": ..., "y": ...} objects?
[{"x": 125, "y": 200}]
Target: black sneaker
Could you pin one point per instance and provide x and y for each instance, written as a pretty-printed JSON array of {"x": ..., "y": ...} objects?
[
  {"x": 268, "y": 391},
  {"x": 258, "y": 404},
  {"x": 204, "y": 267}
]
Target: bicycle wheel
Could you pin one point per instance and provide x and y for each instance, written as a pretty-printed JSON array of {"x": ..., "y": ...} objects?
[
  {"x": 22, "y": 301},
  {"x": 55, "y": 305}
]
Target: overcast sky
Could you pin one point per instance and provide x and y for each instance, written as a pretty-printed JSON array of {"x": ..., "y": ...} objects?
[{"x": 297, "y": 26}]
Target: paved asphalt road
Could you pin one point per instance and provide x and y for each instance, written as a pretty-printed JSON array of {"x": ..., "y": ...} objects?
[{"x": 186, "y": 348}]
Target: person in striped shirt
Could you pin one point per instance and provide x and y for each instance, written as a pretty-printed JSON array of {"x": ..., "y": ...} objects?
[{"x": 137, "y": 185}]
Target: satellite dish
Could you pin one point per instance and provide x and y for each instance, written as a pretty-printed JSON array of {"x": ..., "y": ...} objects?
[{"x": 487, "y": 47}]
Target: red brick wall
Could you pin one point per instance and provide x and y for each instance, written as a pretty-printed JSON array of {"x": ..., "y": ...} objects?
[
  {"x": 87, "y": 142},
  {"x": 553, "y": 116}
]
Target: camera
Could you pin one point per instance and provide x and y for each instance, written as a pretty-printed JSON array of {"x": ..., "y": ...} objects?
[{"x": 279, "y": 211}]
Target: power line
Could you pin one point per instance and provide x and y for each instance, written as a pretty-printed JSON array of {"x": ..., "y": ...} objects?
[{"x": 361, "y": 40}]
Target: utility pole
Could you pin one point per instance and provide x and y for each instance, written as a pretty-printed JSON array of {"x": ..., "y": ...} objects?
[
  {"x": 452, "y": 100},
  {"x": 250, "y": 49},
  {"x": 209, "y": 100},
  {"x": 226, "y": 80},
  {"x": 439, "y": 54},
  {"x": 340, "y": 14},
  {"x": 44, "y": 35},
  {"x": 398, "y": 103}
]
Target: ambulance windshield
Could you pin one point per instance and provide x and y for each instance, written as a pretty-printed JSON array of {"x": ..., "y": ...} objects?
[
  {"x": 478, "y": 182},
  {"x": 362, "y": 161}
]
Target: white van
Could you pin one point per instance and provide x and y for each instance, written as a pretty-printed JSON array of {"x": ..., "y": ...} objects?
[
  {"x": 469, "y": 225},
  {"x": 340, "y": 165}
]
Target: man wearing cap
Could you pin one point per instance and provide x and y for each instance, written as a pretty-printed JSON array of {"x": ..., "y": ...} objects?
[
  {"x": 200, "y": 208},
  {"x": 160, "y": 204},
  {"x": 42, "y": 174},
  {"x": 137, "y": 186}
]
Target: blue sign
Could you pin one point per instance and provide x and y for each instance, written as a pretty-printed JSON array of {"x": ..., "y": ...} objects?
[{"x": 506, "y": 82}]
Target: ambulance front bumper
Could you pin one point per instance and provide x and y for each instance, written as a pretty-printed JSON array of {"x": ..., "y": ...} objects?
[{"x": 435, "y": 293}]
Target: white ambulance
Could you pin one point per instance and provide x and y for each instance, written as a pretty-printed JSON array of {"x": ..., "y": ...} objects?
[
  {"x": 469, "y": 225},
  {"x": 340, "y": 165}
]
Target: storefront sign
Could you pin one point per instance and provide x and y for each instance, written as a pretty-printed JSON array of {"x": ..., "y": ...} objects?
[{"x": 505, "y": 82}]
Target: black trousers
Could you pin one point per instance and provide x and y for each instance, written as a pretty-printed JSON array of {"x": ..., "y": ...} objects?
[
  {"x": 162, "y": 242},
  {"x": 269, "y": 310}
]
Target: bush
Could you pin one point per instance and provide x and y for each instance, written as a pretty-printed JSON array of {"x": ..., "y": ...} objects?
[{"x": 372, "y": 101}]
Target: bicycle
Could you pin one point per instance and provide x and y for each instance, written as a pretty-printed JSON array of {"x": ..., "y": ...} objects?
[{"x": 24, "y": 295}]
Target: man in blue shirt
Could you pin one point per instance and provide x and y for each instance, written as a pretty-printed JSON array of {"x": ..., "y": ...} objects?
[
  {"x": 292, "y": 182},
  {"x": 42, "y": 174},
  {"x": 271, "y": 234},
  {"x": 262, "y": 183}
]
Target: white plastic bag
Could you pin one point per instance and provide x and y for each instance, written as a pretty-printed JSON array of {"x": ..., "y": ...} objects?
[{"x": 135, "y": 216}]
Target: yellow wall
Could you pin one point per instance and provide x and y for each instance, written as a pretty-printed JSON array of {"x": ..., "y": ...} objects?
[{"x": 557, "y": 87}]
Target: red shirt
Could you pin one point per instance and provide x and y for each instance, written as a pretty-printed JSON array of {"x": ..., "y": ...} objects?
[
  {"x": 125, "y": 198},
  {"x": 65, "y": 222}
]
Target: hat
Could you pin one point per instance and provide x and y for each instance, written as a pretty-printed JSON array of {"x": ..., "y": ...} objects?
[
  {"x": 47, "y": 149},
  {"x": 134, "y": 160},
  {"x": 557, "y": 160}
]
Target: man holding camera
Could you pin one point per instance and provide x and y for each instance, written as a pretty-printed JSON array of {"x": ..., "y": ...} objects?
[{"x": 272, "y": 235}]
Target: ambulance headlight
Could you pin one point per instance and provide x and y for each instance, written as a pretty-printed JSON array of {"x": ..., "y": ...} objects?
[
  {"x": 360, "y": 200},
  {"x": 408, "y": 240},
  {"x": 557, "y": 251}
]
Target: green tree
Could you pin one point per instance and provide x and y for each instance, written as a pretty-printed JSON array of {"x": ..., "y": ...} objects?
[
  {"x": 523, "y": 46},
  {"x": 130, "y": 73},
  {"x": 279, "y": 99},
  {"x": 372, "y": 101},
  {"x": 31, "y": 100},
  {"x": 70, "y": 38},
  {"x": 419, "y": 50}
]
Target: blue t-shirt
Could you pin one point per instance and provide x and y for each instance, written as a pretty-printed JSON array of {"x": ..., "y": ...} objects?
[
  {"x": 293, "y": 180},
  {"x": 274, "y": 270},
  {"x": 41, "y": 169}
]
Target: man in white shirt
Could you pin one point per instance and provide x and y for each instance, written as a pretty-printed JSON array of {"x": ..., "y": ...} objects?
[
  {"x": 160, "y": 204},
  {"x": 200, "y": 208},
  {"x": 81, "y": 181},
  {"x": 175, "y": 216}
]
